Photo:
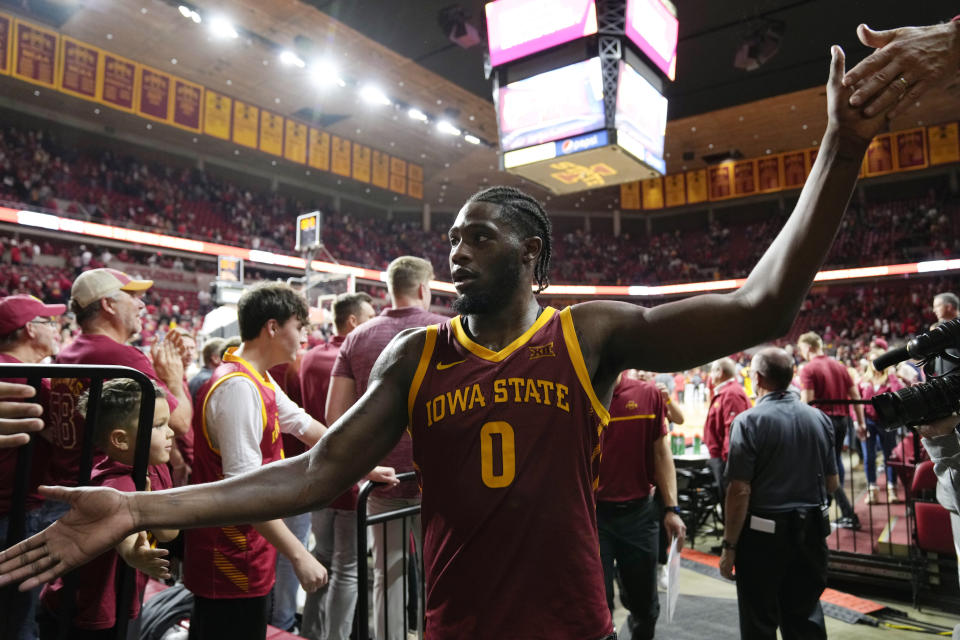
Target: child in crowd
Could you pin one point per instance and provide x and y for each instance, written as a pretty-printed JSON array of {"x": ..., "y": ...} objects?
[{"x": 93, "y": 611}]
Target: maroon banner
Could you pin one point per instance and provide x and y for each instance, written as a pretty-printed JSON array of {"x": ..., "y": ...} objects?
[
  {"x": 880, "y": 156},
  {"x": 911, "y": 149},
  {"x": 720, "y": 180},
  {"x": 768, "y": 174},
  {"x": 794, "y": 169},
  {"x": 154, "y": 100},
  {"x": 745, "y": 178},
  {"x": 79, "y": 66},
  {"x": 187, "y": 104},
  {"x": 117, "y": 89},
  {"x": 35, "y": 55}
]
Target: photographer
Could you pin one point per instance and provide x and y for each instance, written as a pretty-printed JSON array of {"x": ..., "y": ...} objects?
[{"x": 942, "y": 442}]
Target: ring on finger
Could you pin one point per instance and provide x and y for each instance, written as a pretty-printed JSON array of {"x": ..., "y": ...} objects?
[{"x": 903, "y": 85}]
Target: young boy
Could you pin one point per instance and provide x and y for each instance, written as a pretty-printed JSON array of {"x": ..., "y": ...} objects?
[{"x": 95, "y": 599}]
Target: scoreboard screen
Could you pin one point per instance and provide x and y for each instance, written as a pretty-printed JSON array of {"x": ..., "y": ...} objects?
[
  {"x": 557, "y": 104},
  {"x": 518, "y": 28},
  {"x": 308, "y": 231},
  {"x": 652, "y": 26},
  {"x": 230, "y": 269},
  {"x": 641, "y": 118}
]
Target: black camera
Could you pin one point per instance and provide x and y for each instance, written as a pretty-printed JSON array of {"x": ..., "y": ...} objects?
[{"x": 938, "y": 397}]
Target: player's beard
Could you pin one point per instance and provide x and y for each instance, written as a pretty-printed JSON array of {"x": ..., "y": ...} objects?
[{"x": 503, "y": 283}]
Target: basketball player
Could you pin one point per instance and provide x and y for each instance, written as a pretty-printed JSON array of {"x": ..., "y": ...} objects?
[{"x": 505, "y": 404}]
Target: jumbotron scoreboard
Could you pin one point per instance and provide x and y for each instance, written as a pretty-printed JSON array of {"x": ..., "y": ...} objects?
[{"x": 578, "y": 89}]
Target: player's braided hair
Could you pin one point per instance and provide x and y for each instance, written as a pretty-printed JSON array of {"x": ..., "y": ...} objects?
[{"x": 528, "y": 217}]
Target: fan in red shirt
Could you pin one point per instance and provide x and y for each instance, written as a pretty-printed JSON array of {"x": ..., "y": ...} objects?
[{"x": 729, "y": 400}]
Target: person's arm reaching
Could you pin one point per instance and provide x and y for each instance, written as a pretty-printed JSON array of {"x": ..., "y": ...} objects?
[
  {"x": 665, "y": 477},
  {"x": 100, "y": 518},
  {"x": 674, "y": 335},
  {"x": 674, "y": 414},
  {"x": 924, "y": 57}
]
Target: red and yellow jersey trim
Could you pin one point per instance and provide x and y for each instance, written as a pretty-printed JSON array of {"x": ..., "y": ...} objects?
[
  {"x": 576, "y": 357},
  {"x": 499, "y": 356},
  {"x": 639, "y": 416},
  {"x": 249, "y": 372},
  {"x": 426, "y": 355}
]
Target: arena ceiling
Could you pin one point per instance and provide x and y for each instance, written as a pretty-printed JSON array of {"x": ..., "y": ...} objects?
[{"x": 399, "y": 45}]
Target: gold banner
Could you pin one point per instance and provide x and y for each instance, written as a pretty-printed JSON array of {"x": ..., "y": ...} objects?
[
  {"x": 118, "y": 83},
  {"x": 911, "y": 149},
  {"x": 415, "y": 189},
  {"x": 674, "y": 190},
  {"x": 80, "y": 69},
  {"x": 630, "y": 196},
  {"x": 216, "y": 115},
  {"x": 361, "y": 163},
  {"x": 398, "y": 167},
  {"x": 187, "y": 105},
  {"x": 415, "y": 172},
  {"x": 35, "y": 54},
  {"x": 398, "y": 184},
  {"x": 295, "y": 142},
  {"x": 381, "y": 170},
  {"x": 246, "y": 123},
  {"x": 696, "y": 186},
  {"x": 154, "y": 95},
  {"x": 340, "y": 152},
  {"x": 944, "y": 141},
  {"x": 6, "y": 37},
  {"x": 318, "y": 155},
  {"x": 652, "y": 193},
  {"x": 271, "y": 133}
]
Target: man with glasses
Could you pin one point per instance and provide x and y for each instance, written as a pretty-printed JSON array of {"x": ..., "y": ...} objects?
[{"x": 29, "y": 333}]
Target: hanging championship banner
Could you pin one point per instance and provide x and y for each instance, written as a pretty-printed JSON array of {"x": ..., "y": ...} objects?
[
  {"x": 630, "y": 195},
  {"x": 398, "y": 175},
  {"x": 361, "y": 163},
  {"x": 415, "y": 189},
  {"x": 652, "y": 193},
  {"x": 911, "y": 150},
  {"x": 79, "y": 69},
  {"x": 118, "y": 83},
  {"x": 6, "y": 28},
  {"x": 340, "y": 152},
  {"x": 154, "y": 95},
  {"x": 35, "y": 54},
  {"x": 415, "y": 172},
  {"x": 880, "y": 156},
  {"x": 381, "y": 170},
  {"x": 794, "y": 169},
  {"x": 944, "y": 141},
  {"x": 674, "y": 190},
  {"x": 769, "y": 174},
  {"x": 187, "y": 105},
  {"x": 696, "y": 186},
  {"x": 318, "y": 155},
  {"x": 217, "y": 110},
  {"x": 745, "y": 178},
  {"x": 271, "y": 133},
  {"x": 720, "y": 179},
  {"x": 246, "y": 124},
  {"x": 295, "y": 142}
]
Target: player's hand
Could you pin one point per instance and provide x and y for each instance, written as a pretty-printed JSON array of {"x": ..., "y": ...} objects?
[
  {"x": 940, "y": 427},
  {"x": 167, "y": 362},
  {"x": 727, "y": 560},
  {"x": 854, "y": 130},
  {"x": 17, "y": 419},
  {"x": 99, "y": 518},
  {"x": 924, "y": 57},
  {"x": 386, "y": 475},
  {"x": 311, "y": 574},
  {"x": 152, "y": 562},
  {"x": 675, "y": 528}
]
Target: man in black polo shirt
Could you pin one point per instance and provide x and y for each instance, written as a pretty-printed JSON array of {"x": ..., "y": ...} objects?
[{"x": 781, "y": 468}]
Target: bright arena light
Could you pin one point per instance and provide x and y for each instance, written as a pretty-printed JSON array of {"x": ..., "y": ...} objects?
[
  {"x": 289, "y": 58},
  {"x": 374, "y": 95},
  {"x": 196, "y": 17},
  {"x": 222, "y": 28},
  {"x": 416, "y": 114},
  {"x": 325, "y": 73},
  {"x": 184, "y": 11},
  {"x": 472, "y": 139},
  {"x": 445, "y": 127}
]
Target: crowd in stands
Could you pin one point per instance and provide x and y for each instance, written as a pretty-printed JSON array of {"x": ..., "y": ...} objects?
[{"x": 123, "y": 190}]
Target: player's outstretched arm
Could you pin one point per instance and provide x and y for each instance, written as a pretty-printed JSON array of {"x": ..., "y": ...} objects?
[
  {"x": 682, "y": 334},
  {"x": 100, "y": 518}
]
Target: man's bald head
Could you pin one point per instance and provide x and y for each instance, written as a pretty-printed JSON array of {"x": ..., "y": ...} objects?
[{"x": 775, "y": 366}]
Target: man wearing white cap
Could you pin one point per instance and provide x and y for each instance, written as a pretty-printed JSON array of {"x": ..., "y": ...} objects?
[
  {"x": 107, "y": 305},
  {"x": 29, "y": 333}
]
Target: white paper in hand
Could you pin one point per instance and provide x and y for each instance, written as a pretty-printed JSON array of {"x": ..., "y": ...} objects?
[{"x": 673, "y": 579}]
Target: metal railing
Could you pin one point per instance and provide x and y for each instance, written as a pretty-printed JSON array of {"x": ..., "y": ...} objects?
[
  {"x": 95, "y": 375},
  {"x": 363, "y": 584}
]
